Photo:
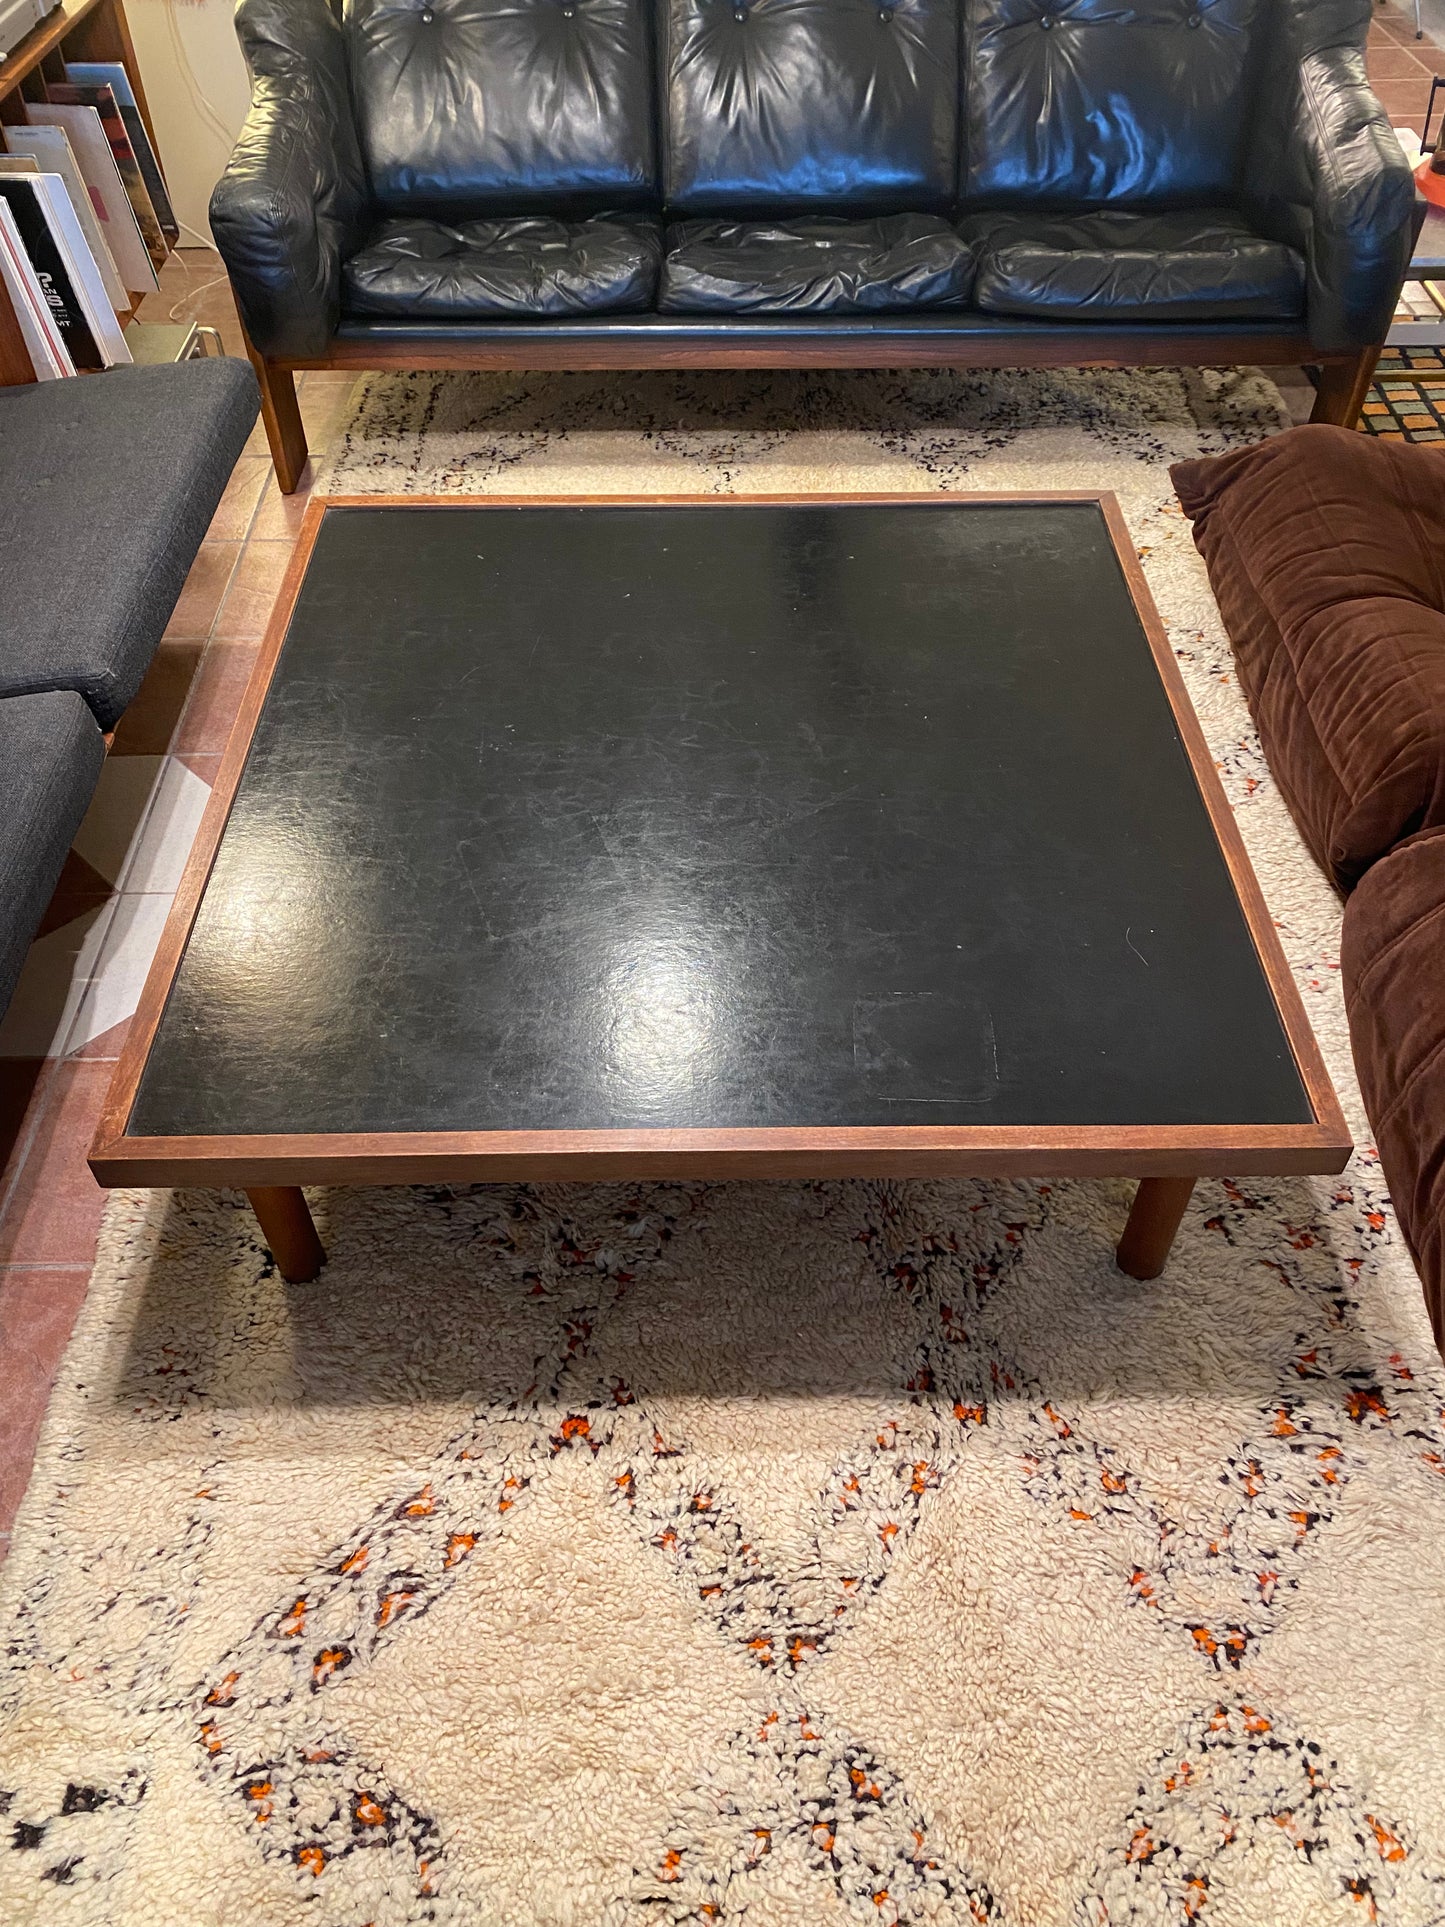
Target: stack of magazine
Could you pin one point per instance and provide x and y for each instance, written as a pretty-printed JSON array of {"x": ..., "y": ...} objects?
[{"x": 85, "y": 220}]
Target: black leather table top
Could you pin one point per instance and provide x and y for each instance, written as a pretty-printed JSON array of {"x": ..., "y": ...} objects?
[{"x": 725, "y": 816}]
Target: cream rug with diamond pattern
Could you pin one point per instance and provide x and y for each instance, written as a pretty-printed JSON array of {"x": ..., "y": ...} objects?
[{"x": 779, "y": 1554}]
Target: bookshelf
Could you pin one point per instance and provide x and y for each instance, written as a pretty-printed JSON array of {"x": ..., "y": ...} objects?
[{"x": 77, "y": 30}]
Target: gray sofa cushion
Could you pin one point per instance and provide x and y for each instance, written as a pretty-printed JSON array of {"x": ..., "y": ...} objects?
[
  {"x": 51, "y": 750},
  {"x": 107, "y": 486}
]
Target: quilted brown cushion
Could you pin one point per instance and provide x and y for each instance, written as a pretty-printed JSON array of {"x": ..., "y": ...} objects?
[
  {"x": 1326, "y": 551},
  {"x": 1394, "y": 970}
]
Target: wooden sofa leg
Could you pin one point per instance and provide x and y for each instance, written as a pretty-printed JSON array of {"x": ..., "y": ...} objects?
[
  {"x": 1343, "y": 388},
  {"x": 281, "y": 414}
]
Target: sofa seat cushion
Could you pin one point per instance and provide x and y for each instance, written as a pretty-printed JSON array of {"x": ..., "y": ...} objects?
[
  {"x": 529, "y": 265},
  {"x": 815, "y": 265},
  {"x": 107, "y": 486},
  {"x": 51, "y": 750},
  {"x": 1394, "y": 944},
  {"x": 1326, "y": 552},
  {"x": 1176, "y": 266}
]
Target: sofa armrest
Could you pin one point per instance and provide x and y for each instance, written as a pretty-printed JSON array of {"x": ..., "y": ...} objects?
[
  {"x": 293, "y": 199},
  {"x": 1327, "y": 175}
]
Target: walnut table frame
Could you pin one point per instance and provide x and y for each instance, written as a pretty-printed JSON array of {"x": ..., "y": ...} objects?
[{"x": 272, "y": 1165}]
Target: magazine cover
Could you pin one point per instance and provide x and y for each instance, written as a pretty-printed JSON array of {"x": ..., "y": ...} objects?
[
  {"x": 48, "y": 353},
  {"x": 103, "y": 100},
  {"x": 19, "y": 191},
  {"x": 112, "y": 74},
  {"x": 50, "y": 149},
  {"x": 107, "y": 193}
]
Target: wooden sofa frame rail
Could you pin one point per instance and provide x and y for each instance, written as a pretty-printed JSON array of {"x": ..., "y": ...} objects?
[{"x": 1344, "y": 379}]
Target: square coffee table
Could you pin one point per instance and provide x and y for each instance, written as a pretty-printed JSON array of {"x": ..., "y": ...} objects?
[{"x": 716, "y": 838}]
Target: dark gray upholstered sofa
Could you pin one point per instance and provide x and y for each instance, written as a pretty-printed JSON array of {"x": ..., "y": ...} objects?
[{"x": 107, "y": 486}]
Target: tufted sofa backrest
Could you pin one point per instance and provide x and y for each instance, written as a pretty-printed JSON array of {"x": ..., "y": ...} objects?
[
  {"x": 797, "y": 103},
  {"x": 751, "y": 106},
  {"x": 507, "y": 106},
  {"x": 1076, "y": 102}
]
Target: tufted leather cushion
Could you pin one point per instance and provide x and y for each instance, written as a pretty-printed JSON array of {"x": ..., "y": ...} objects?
[
  {"x": 503, "y": 106},
  {"x": 532, "y": 265},
  {"x": 1133, "y": 267},
  {"x": 815, "y": 264},
  {"x": 1326, "y": 552},
  {"x": 1079, "y": 102},
  {"x": 1391, "y": 958},
  {"x": 774, "y": 104}
]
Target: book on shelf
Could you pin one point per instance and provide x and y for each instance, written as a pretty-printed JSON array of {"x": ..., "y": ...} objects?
[
  {"x": 65, "y": 268},
  {"x": 50, "y": 149},
  {"x": 102, "y": 99},
  {"x": 44, "y": 343},
  {"x": 112, "y": 74},
  {"x": 108, "y": 197},
  {"x": 48, "y": 265}
]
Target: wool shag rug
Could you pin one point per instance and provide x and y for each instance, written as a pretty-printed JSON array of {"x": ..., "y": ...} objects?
[{"x": 778, "y": 1554}]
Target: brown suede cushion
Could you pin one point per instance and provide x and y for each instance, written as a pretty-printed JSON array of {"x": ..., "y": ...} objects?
[
  {"x": 1394, "y": 970},
  {"x": 1326, "y": 551}
]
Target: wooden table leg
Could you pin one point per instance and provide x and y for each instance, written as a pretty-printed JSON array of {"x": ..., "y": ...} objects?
[
  {"x": 285, "y": 1220},
  {"x": 1158, "y": 1206}
]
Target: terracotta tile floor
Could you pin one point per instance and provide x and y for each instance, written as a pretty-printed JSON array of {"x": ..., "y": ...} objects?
[
  {"x": 68, "y": 1019},
  {"x": 1402, "y": 67}
]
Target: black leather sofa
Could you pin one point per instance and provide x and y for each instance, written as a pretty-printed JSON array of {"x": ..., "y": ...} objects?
[{"x": 769, "y": 183}]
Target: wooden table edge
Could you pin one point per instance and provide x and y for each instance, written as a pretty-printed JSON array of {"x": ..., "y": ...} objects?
[
  {"x": 1158, "y": 1154},
  {"x": 1019, "y": 1151},
  {"x": 1264, "y": 934}
]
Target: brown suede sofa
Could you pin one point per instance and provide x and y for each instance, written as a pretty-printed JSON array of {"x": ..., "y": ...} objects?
[{"x": 1326, "y": 551}]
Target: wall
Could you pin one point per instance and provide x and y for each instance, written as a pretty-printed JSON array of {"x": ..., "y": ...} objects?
[{"x": 197, "y": 102}]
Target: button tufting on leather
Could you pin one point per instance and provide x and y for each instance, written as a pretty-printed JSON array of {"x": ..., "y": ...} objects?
[
  {"x": 1046, "y": 21},
  {"x": 885, "y": 14},
  {"x": 1195, "y": 20},
  {"x": 739, "y": 13},
  {"x": 427, "y": 16}
]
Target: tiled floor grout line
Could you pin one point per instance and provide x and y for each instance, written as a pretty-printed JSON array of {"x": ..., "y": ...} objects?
[
  {"x": 104, "y": 925},
  {"x": 178, "y": 728},
  {"x": 43, "y": 1264},
  {"x": 137, "y": 840},
  {"x": 25, "y": 1143}
]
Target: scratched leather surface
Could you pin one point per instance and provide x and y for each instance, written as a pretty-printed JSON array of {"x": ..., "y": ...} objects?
[
  {"x": 1075, "y": 103},
  {"x": 502, "y": 106},
  {"x": 532, "y": 264},
  {"x": 723, "y": 816},
  {"x": 1174, "y": 266},
  {"x": 776, "y": 104},
  {"x": 814, "y": 264}
]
